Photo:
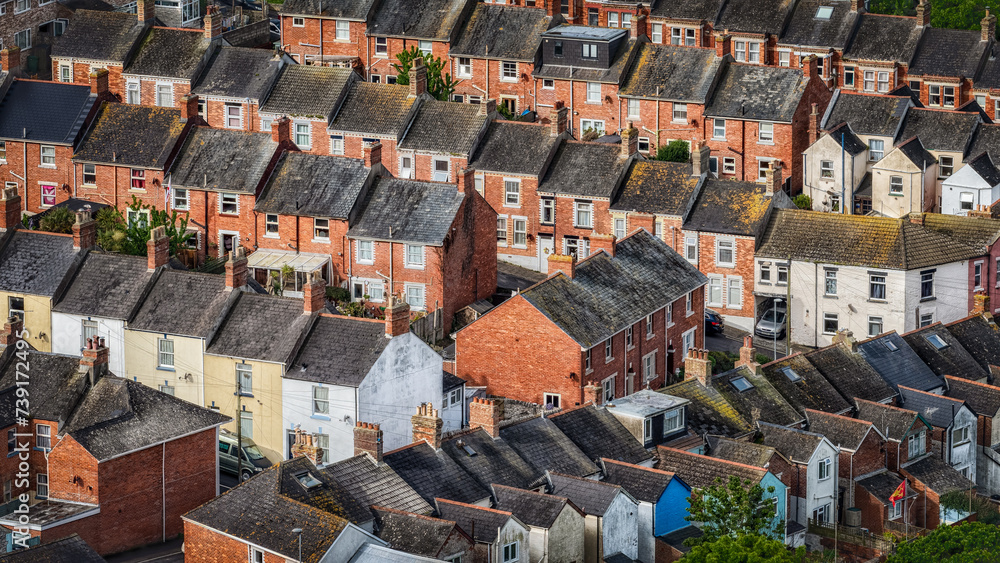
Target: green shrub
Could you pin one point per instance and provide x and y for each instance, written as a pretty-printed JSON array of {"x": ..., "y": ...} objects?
[
  {"x": 802, "y": 201},
  {"x": 674, "y": 151},
  {"x": 337, "y": 294},
  {"x": 58, "y": 220}
]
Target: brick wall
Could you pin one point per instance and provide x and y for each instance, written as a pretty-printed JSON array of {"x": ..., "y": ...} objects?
[
  {"x": 81, "y": 75},
  {"x": 73, "y": 473},
  {"x": 24, "y": 160},
  {"x": 37, "y": 14},
  {"x": 470, "y": 262},
  {"x": 204, "y": 210},
  {"x": 114, "y": 186},
  {"x": 382, "y": 65},
  {"x": 574, "y": 96},
  {"x": 202, "y": 545},
  {"x": 742, "y": 269},
  {"x": 298, "y": 231},
  {"x": 530, "y": 209},
  {"x": 318, "y": 36},
  {"x": 873, "y": 512},
  {"x": 215, "y": 114},
  {"x": 486, "y": 75},
  {"x": 10, "y": 465},
  {"x": 870, "y": 457},
  {"x": 663, "y": 129}
]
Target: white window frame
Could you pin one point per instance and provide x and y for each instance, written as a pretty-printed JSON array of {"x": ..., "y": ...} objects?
[
  {"x": 519, "y": 228},
  {"x": 512, "y": 192},
  {"x": 594, "y": 124},
  {"x": 48, "y": 192},
  {"x": 42, "y": 486},
  {"x": 721, "y": 245},
  {"x": 619, "y": 227},
  {"x": 463, "y": 67},
  {"x": 593, "y": 92},
  {"x": 381, "y": 46},
  {"x": 511, "y": 552},
  {"x": 438, "y": 176},
  {"x": 784, "y": 58},
  {"x": 180, "y": 199},
  {"x": 502, "y": 231},
  {"x": 343, "y": 30},
  {"x": 225, "y": 199},
  {"x": 320, "y": 405},
  {"x": 244, "y": 372},
  {"x": 875, "y": 155},
  {"x": 272, "y": 220},
  {"x": 506, "y": 73},
  {"x": 657, "y": 33},
  {"x": 583, "y": 214},
  {"x": 729, "y": 165},
  {"x": 547, "y": 211},
  {"x": 246, "y": 423},
  {"x": 165, "y": 358},
  {"x": 691, "y": 248},
  {"x": 765, "y": 133},
  {"x": 608, "y": 388},
  {"x": 632, "y": 107},
  {"x": 298, "y": 22},
  {"x": 873, "y": 321},
  {"x": 826, "y": 169},
  {"x": 47, "y": 156},
  {"x": 417, "y": 287},
  {"x": 719, "y": 128},
  {"x": 824, "y": 469},
  {"x": 319, "y": 225},
  {"x": 23, "y": 39},
  {"x": 426, "y": 47},
  {"x": 414, "y": 256},
  {"x": 679, "y": 112},
  {"x": 554, "y": 399},
  {"x": 609, "y": 350},
  {"x": 227, "y": 116},
  {"x": 715, "y": 290},
  {"x": 337, "y": 144},
  {"x": 159, "y": 92},
  {"x": 308, "y": 134},
  {"x": 831, "y": 317},
  {"x": 945, "y": 170},
  {"x": 734, "y": 286}
]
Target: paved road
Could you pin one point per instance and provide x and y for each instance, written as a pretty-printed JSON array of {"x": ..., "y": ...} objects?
[
  {"x": 169, "y": 552},
  {"x": 226, "y": 482}
]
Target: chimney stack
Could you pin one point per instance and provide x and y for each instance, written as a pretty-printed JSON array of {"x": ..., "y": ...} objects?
[
  {"x": 189, "y": 108},
  {"x": 630, "y": 141},
  {"x": 305, "y": 446},
  {"x": 373, "y": 154},
  {"x": 723, "y": 44},
  {"x": 559, "y": 119},
  {"x": 846, "y": 337},
  {"x": 157, "y": 248},
  {"x": 84, "y": 231},
  {"x": 418, "y": 78},
  {"x": 10, "y": 208},
  {"x": 10, "y": 60},
  {"x": 917, "y": 219},
  {"x": 466, "y": 180},
  {"x": 427, "y": 426},
  {"x": 487, "y": 108},
  {"x": 988, "y": 25},
  {"x": 748, "y": 356},
  {"x": 856, "y": 5},
  {"x": 810, "y": 67},
  {"x": 603, "y": 242},
  {"x": 99, "y": 82},
  {"x": 486, "y": 414},
  {"x": 281, "y": 131},
  {"x": 814, "y": 124},
  {"x": 698, "y": 366},
  {"x": 562, "y": 263},
  {"x": 11, "y": 329},
  {"x": 639, "y": 23},
  {"x": 700, "y": 159},
  {"x": 397, "y": 317},
  {"x": 981, "y": 304},
  {"x": 923, "y": 13},
  {"x": 772, "y": 178},
  {"x": 368, "y": 439},
  {"x": 213, "y": 22},
  {"x": 981, "y": 211},
  {"x": 592, "y": 394},
  {"x": 236, "y": 268},
  {"x": 145, "y": 11},
  {"x": 313, "y": 294},
  {"x": 95, "y": 359}
]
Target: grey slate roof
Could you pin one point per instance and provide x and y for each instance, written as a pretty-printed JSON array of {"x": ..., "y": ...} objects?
[
  {"x": 655, "y": 186},
  {"x": 700, "y": 471},
  {"x": 50, "y": 112},
  {"x": 239, "y": 72},
  {"x": 842, "y": 135},
  {"x": 482, "y": 524},
  {"x": 643, "y": 483},
  {"x": 867, "y": 114},
  {"x": 806, "y": 30},
  {"x": 374, "y": 109},
  {"x": 434, "y": 474},
  {"x": 984, "y": 166},
  {"x": 540, "y": 443},
  {"x": 71, "y": 549},
  {"x": 938, "y": 410},
  {"x": 494, "y": 461},
  {"x": 761, "y": 16},
  {"x": 952, "y": 360},
  {"x": 360, "y": 343},
  {"x": 675, "y": 73},
  {"x": 534, "y": 509},
  {"x": 882, "y": 485},
  {"x": 444, "y": 127},
  {"x": 698, "y": 10},
  {"x": 614, "y": 74},
  {"x": 183, "y": 303},
  {"x": 842, "y": 431},
  {"x": 339, "y": 9},
  {"x": 901, "y": 366},
  {"x": 762, "y": 398},
  {"x": 327, "y": 495},
  {"x": 982, "y": 398},
  {"x": 738, "y": 451},
  {"x": 948, "y": 52},
  {"x": 989, "y": 75},
  {"x": 223, "y": 160},
  {"x": 98, "y": 35},
  {"x": 107, "y": 285},
  {"x": 979, "y": 338},
  {"x": 128, "y": 135},
  {"x": 850, "y": 374},
  {"x": 940, "y": 130},
  {"x": 584, "y": 169},
  {"x": 501, "y": 32},
  {"x": 513, "y": 147},
  {"x": 261, "y": 327},
  {"x": 430, "y": 19},
  {"x": 607, "y": 294},
  {"x": 408, "y": 211},
  {"x": 414, "y": 533},
  {"x": 796, "y": 445},
  {"x": 676, "y": 538},
  {"x": 734, "y": 208},
  {"x": 37, "y": 263},
  {"x": 884, "y": 38},
  {"x": 914, "y": 150},
  {"x": 170, "y": 53},
  {"x": 599, "y": 434},
  {"x": 892, "y": 422},
  {"x": 757, "y": 93},
  {"x": 307, "y": 91},
  {"x": 986, "y": 139},
  {"x": 312, "y": 185},
  {"x": 372, "y": 484},
  {"x": 592, "y": 497},
  {"x": 810, "y": 391},
  {"x": 938, "y": 476},
  {"x": 56, "y": 385}
]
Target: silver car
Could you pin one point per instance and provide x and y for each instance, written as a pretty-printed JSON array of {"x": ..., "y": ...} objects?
[{"x": 772, "y": 324}]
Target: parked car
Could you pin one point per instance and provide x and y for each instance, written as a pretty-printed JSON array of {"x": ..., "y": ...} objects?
[
  {"x": 713, "y": 322},
  {"x": 250, "y": 463},
  {"x": 772, "y": 324}
]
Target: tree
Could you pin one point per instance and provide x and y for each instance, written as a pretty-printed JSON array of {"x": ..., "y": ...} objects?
[
  {"x": 117, "y": 234},
  {"x": 969, "y": 542},
  {"x": 58, "y": 220},
  {"x": 961, "y": 14},
  {"x": 734, "y": 508},
  {"x": 748, "y": 549},
  {"x": 892, "y": 7},
  {"x": 802, "y": 201},
  {"x": 674, "y": 151},
  {"x": 439, "y": 83}
]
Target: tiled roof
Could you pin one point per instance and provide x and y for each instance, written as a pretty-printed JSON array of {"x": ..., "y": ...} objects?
[
  {"x": 540, "y": 443},
  {"x": 986, "y": 139},
  {"x": 881, "y": 485},
  {"x": 311, "y": 185},
  {"x": 375, "y": 553},
  {"x": 699, "y": 10},
  {"x": 842, "y": 135},
  {"x": 414, "y": 533},
  {"x": 429, "y": 19},
  {"x": 339, "y": 9},
  {"x": 444, "y": 127},
  {"x": 676, "y": 538},
  {"x": 643, "y": 483},
  {"x": 892, "y": 422},
  {"x": 675, "y": 73},
  {"x": 599, "y": 434},
  {"x": 738, "y": 451},
  {"x": 663, "y": 188},
  {"x": 374, "y": 109},
  {"x": 940, "y": 130},
  {"x": 897, "y": 363},
  {"x": 128, "y": 135},
  {"x": 170, "y": 53},
  {"x": 735, "y": 208},
  {"x": 360, "y": 343},
  {"x": 938, "y": 410},
  {"x": 107, "y": 285},
  {"x": 512, "y": 147},
  {"x": 254, "y": 315},
  {"x": 982, "y": 398},
  {"x": 953, "y": 359},
  {"x": 884, "y": 38},
  {"x": 976, "y": 232},
  {"x": 71, "y": 549},
  {"x": 842, "y": 431},
  {"x": 375, "y": 484},
  {"x": 99, "y": 35},
  {"x": 37, "y": 263},
  {"x": 796, "y": 445},
  {"x": 408, "y": 211},
  {"x": 758, "y": 93},
  {"x": 44, "y": 111},
  {"x": 239, "y": 72},
  {"x": 803, "y": 386},
  {"x": 534, "y": 509},
  {"x": 984, "y": 167},
  {"x": 761, "y": 402},
  {"x": 914, "y": 150},
  {"x": 326, "y": 495},
  {"x": 867, "y": 114},
  {"x": 850, "y": 374},
  {"x": 490, "y": 461},
  {"x": 56, "y": 383},
  {"x": 307, "y": 91},
  {"x": 482, "y": 524},
  {"x": 434, "y": 474},
  {"x": 948, "y": 52},
  {"x": 223, "y": 160},
  {"x": 938, "y": 476},
  {"x": 989, "y": 76},
  {"x": 614, "y": 74},
  {"x": 760, "y": 16},
  {"x": 501, "y": 32},
  {"x": 709, "y": 413},
  {"x": 584, "y": 169},
  {"x": 183, "y": 303},
  {"x": 980, "y": 339},
  {"x": 700, "y": 471},
  {"x": 607, "y": 294},
  {"x": 592, "y": 497},
  {"x": 807, "y": 30}
]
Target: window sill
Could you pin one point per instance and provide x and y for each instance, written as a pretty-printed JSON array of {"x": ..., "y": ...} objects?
[
  {"x": 464, "y": 75},
  {"x": 137, "y": 190},
  {"x": 366, "y": 262},
  {"x": 165, "y": 368},
  {"x": 718, "y": 138},
  {"x": 520, "y": 246},
  {"x": 730, "y": 266},
  {"x": 409, "y": 267},
  {"x": 670, "y": 324},
  {"x": 630, "y": 347},
  {"x": 895, "y": 195},
  {"x": 878, "y": 300},
  {"x": 320, "y": 417},
  {"x": 228, "y": 214},
  {"x": 650, "y": 336},
  {"x": 509, "y": 80},
  {"x": 588, "y": 102},
  {"x": 47, "y": 166},
  {"x": 589, "y": 371},
  {"x": 679, "y": 121},
  {"x": 185, "y": 209},
  {"x": 831, "y": 297},
  {"x": 764, "y": 283},
  {"x": 321, "y": 240},
  {"x": 275, "y": 236},
  {"x": 689, "y": 313},
  {"x": 250, "y": 395},
  {"x": 608, "y": 360},
  {"x": 769, "y": 143},
  {"x": 926, "y": 299},
  {"x": 512, "y": 206},
  {"x": 589, "y": 228}
]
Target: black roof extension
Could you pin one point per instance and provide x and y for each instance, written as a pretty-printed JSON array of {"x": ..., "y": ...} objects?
[
  {"x": 490, "y": 461},
  {"x": 375, "y": 484},
  {"x": 850, "y": 374},
  {"x": 655, "y": 186},
  {"x": 444, "y": 127},
  {"x": 585, "y": 170},
  {"x": 50, "y": 112},
  {"x": 414, "y": 533},
  {"x": 938, "y": 410},
  {"x": 803, "y": 386},
  {"x": 534, "y": 509},
  {"x": 128, "y": 135},
  {"x": 592, "y": 497},
  {"x": 979, "y": 338}
]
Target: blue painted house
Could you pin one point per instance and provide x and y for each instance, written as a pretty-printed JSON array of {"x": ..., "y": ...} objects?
[{"x": 663, "y": 499}]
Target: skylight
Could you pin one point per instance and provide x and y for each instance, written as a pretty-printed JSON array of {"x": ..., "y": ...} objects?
[
  {"x": 790, "y": 374},
  {"x": 937, "y": 341},
  {"x": 307, "y": 480},
  {"x": 824, "y": 12},
  {"x": 890, "y": 345},
  {"x": 742, "y": 384}
]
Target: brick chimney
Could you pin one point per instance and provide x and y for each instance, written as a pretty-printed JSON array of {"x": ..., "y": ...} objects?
[
  {"x": 700, "y": 159},
  {"x": 145, "y": 11},
  {"x": 559, "y": 119},
  {"x": 236, "y": 268},
  {"x": 592, "y": 395},
  {"x": 486, "y": 414},
  {"x": 373, "y": 154},
  {"x": 418, "y": 78},
  {"x": 810, "y": 67},
  {"x": 723, "y": 44},
  {"x": 988, "y": 25},
  {"x": 397, "y": 317},
  {"x": 923, "y": 13},
  {"x": 698, "y": 366},
  {"x": 95, "y": 359},
  {"x": 157, "y": 248},
  {"x": 99, "y": 82},
  {"x": 917, "y": 218},
  {"x": 603, "y": 242},
  {"x": 487, "y": 108},
  {"x": 11, "y": 328},
  {"x": 856, "y": 5},
  {"x": 10, "y": 60},
  {"x": 281, "y": 130},
  {"x": 772, "y": 178},
  {"x": 10, "y": 208},
  {"x": 846, "y": 337},
  {"x": 466, "y": 180},
  {"x": 305, "y": 446},
  {"x": 313, "y": 293},
  {"x": 84, "y": 231},
  {"x": 639, "y": 23},
  {"x": 814, "y": 124},
  {"x": 981, "y": 211},
  {"x": 368, "y": 439},
  {"x": 981, "y": 304},
  {"x": 213, "y": 22},
  {"x": 427, "y": 426},
  {"x": 562, "y": 263},
  {"x": 748, "y": 356},
  {"x": 630, "y": 141},
  {"x": 189, "y": 108}
]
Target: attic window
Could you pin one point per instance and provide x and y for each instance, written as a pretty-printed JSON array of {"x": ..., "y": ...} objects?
[
  {"x": 890, "y": 345},
  {"x": 307, "y": 480},
  {"x": 824, "y": 12},
  {"x": 742, "y": 384},
  {"x": 937, "y": 341},
  {"x": 790, "y": 374},
  {"x": 468, "y": 449}
]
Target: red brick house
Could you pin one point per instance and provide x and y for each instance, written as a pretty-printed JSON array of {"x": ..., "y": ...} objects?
[
  {"x": 330, "y": 33},
  {"x": 235, "y": 83},
  {"x": 689, "y": 24},
  {"x": 872, "y": 64},
  {"x": 109, "y": 459},
  {"x": 586, "y": 328},
  {"x": 440, "y": 140},
  {"x": 308, "y": 95},
  {"x": 432, "y": 26},
  {"x": 374, "y": 112}
]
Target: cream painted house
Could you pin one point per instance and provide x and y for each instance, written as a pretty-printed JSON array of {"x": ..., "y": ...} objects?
[
  {"x": 835, "y": 169},
  {"x": 905, "y": 181}
]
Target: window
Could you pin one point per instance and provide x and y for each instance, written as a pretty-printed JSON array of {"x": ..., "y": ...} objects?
[
  {"x": 595, "y": 125},
  {"x": 689, "y": 304},
  {"x": 548, "y": 84},
  {"x": 414, "y": 256},
  {"x": 48, "y": 156},
  {"x": 131, "y": 89},
  {"x": 822, "y": 513},
  {"x": 608, "y": 386},
  {"x": 713, "y": 164},
  {"x": 619, "y": 229},
  {"x": 691, "y": 247},
  {"x": 381, "y": 46},
  {"x": 557, "y": 48},
  {"x": 826, "y": 169},
  {"x": 550, "y": 400},
  {"x": 725, "y": 253},
  {"x": 959, "y": 436},
  {"x": 790, "y": 374},
  {"x": 894, "y": 511},
  {"x": 583, "y": 217},
  {"x": 754, "y": 52},
  {"x": 21, "y": 6},
  {"x": 321, "y": 229},
  {"x": 520, "y": 233},
  {"x": 229, "y": 204},
  {"x": 647, "y": 429},
  {"x": 765, "y": 133},
  {"x": 167, "y": 389},
  {"x": 48, "y": 195},
  {"x": 11, "y": 440},
  {"x": 874, "y": 326},
  {"x": 762, "y": 166},
  {"x": 649, "y": 326},
  {"x": 366, "y": 251},
  {"x": 657, "y": 33},
  {"x": 336, "y": 144},
  {"x": 376, "y": 292},
  {"x": 343, "y": 30},
  {"x": 784, "y": 58},
  {"x": 164, "y": 95},
  {"x": 425, "y": 47},
  {"x": 586, "y": 360},
  {"x": 23, "y": 39},
  {"x": 633, "y": 107},
  {"x": 941, "y": 95},
  {"x": 848, "y": 76},
  {"x": 876, "y": 150},
  {"x": 441, "y": 173},
  {"x": 88, "y": 331},
  {"x": 740, "y": 50},
  {"x": 831, "y": 323},
  {"x": 883, "y": 81},
  {"x": 415, "y": 296},
  {"x": 742, "y": 384},
  {"x": 876, "y": 286},
  {"x": 917, "y": 444},
  {"x": 895, "y": 184},
  {"x": 735, "y": 297},
  {"x": 608, "y": 351},
  {"x": 7, "y": 491},
  {"x": 244, "y": 379},
  {"x": 576, "y": 247},
  {"x": 831, "y": 282},
  {"x": 502, "y": 230},
  {"x": 510, "y": 552},
  {"x": 927, "y": 284},
  {"x": 166, "y": 352},
  {"x": 689, "y": 38},
  {"x": 715, "y": 291},
  {"x": 43, "y": 486},
  {"x": 464, "y": 67},
  {"x": 298, "y": 22},
  {"x": 3, "y": 151},
  {"x": 869, "y": 83},
  {"x": 966, "y": 200},
  {"x": 612, "y": 19},
  {"x": 321, "y": 400},
  {"x": 593, "y": 92},
  {"x": 946, "y": 166},
  {"x": 977, "y": 276},
  {"x": 824, "y": 468},
  {"x": 728, "y": 165},
  {"x": 628, "y": 337},
  {"x": 590, "y": 50},
  {"x": 782, "y": 275},
  {"x": 936, "y": 341},
  {"x": 180, "y": 199},
  {"x": 548, "y": 213},
  {"x": 508, "y": 71},
  {"x": 234, "y": 116},
  {"x": 43, "y": 436},
  {"x": 718, "y": 128},
  {"x": 303, "y": 138},
  {"x": 246, "y": 424},
  {"x": 673, "y": 421},
  {"x": 140, "y": 217}
]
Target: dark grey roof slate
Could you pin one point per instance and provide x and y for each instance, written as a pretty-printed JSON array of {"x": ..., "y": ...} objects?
[
  {"x": 806, "y": 30},
  {"x": 313, "y": 185},
  {"x": 307, "y": 91},
  {"x": 599, "y": 434},
  {"x": 986, "y": 139},
  {"x": 170, "y": 53},
  {"x": 339, "y": 9},
  {"x": 239, "y": 72},
  {"x": 261, "y": 327},
  {"x": 868, "y": 114},
  {"x": 884, "y": 38},
  {"x": 953, "y": 359},
  {"x": 989, "y": 75},
  {"x": 430, "y": 19},
  {"x": 44, "y": 111},
  {"x": 494, "y": 461},
  {"x": 709, "y": 413},
  {"x": 56, "y": 385},
  {"x": 733, "y": 207},
  {"x": 451, "y": 381},
  {"x": 98, "y": 35},
  {"x": 223, "y": 160},
  {"x": 360, "y": 343},
  {"x": 434, "y": 474},
  {"x": 669, "y": 72},
  {"x": 534, "y": 509},
  {"x": 979, "y": 338},
  {"x": 374, "y": 109},
  {"x": 738, "y": 451},
  {"x": 677, "y": 537},
  {"x": 938, "y": 410},
  {"x": 700, "y": 471},
  {"x": 414, "y": 533},
  {"x": 984, "y": 166},
  {"x": 607, "y": 294},
  {"x": 940, "y": 130},
  {"x": 128, "y": 135},
  {"x": 698, "y": 10},
  {"x": 757, "y": 93},
  {"x": 797, "y": 445},
  {"x": 512, "y": 147},
  {"x": 482, "y": 524},
  {"x": 327, "y": 495},
  {"x": 408, "y": 211},
  {"x": 37, "y": 263},
  {"x": 654, "y": 186},
  {"x": 842, "y": 431},
  {"x": 982, "y": 398},
  {"x": 914, "y": 150},
  {"x": 850, "y": 374},
  {"x": 444, "y": 127},
  {"x": 842, "y": 135},
  {"x": 501, "y": 32},
  {"x": 183, "y": 303},
  {"x": 70, "y": 549},
  {"x": 810, "y": 391},
  {"x": 762, "y": 398},
  {"x": 892, "y": 422},
  {"x": 761, "y": 16},
  {"x": 592, "y": 497},
  {"x": 106, "y": 285},
  {"x": 882, "y": 485},
  {"x": 584, "y": 169},
  {"x": 901, "y": 366},
  {"x": 614, "y": 74},
  {"x": 540, "y": 443},
  {"x": 643, "y": 483},
  {"x": 948, "y": 52},
  {"x": 938, "y": 476},
  {"x": 373, "y": 484}
]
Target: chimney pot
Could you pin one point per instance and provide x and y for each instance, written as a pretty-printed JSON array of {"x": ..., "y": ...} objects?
[
  {"x": 988, "y": 26},
  {"x": 95, "y": 359},
  {"x": 592, "y": 394},
  {"x": 698, "y": 366},
  {"x": 748, "y": 356},
  {"x": 923, "y": 13},
  {"x": 213, "y": 22},
  {"x": 486, "y": 414},
  {"x": 427, "y": 426},
  {"x": 368, "y": 439},
  {"x": 846, "y": 337},
  {"x": 562, "y": 263}
]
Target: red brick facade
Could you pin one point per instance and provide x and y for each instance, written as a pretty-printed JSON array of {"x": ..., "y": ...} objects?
[
  {"x": 309, "y": 39},
  {"x": 204, "y": 545}
]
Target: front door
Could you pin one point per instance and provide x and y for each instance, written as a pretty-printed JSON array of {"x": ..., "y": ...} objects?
[{"x": 545, "y": 247}]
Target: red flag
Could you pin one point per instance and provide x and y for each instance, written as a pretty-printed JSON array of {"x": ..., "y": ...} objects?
[{"x": 899, "y": 493}]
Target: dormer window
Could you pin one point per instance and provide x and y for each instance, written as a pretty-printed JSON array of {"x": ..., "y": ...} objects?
[
  {"x": 673, "y": 421},
  {"x": 824, "y": 12},
  {"x": 307, "y": 480},
  {"x": 742, "y": 384}
]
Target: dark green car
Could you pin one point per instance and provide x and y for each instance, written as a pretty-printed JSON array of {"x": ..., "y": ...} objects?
[{"x": 250, "y": 463}]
